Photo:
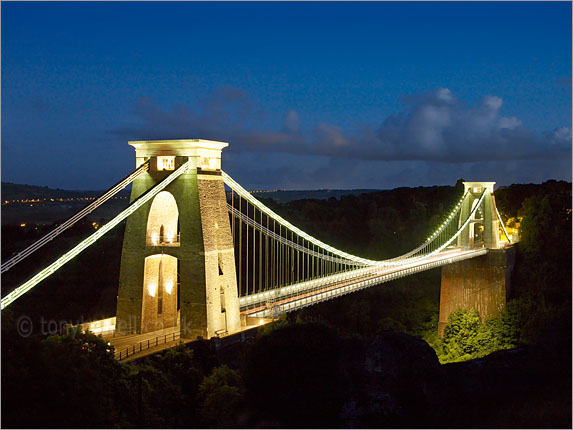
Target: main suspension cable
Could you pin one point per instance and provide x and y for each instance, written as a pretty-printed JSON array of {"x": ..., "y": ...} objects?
[
  {"x": 75, "y": 218},
  {"x": 136, "y": 204}
]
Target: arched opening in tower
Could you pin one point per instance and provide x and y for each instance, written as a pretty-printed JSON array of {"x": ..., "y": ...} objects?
[
  {"x": 479, "y": 236},
  {"x": 163, "y": 221},
  {"x": 159, "y": 304},
  {"x": 476, "y": 230}
]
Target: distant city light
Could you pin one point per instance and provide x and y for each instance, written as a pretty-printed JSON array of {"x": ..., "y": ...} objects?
[{"x": 54, "y": 199}]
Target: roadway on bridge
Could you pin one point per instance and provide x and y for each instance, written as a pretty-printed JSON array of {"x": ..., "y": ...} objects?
[
  {"x": 377, "y": 275},
  {"x": 137, "y": 344},
  {"x": 132, "y": 347}
]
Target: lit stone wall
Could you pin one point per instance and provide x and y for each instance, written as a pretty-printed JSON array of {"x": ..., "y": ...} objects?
[
  {"x": 103, "y": 327},
  {"x": 189, "y": 253},
  {"x": 205, "y": 243},
  {"x": 159, "y": 285},
  {"x": 220, "y": 275},
  {"x": 479, "y": 283}
]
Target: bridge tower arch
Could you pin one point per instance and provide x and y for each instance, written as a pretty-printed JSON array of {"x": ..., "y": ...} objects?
[{"x": 177, "y": 264}]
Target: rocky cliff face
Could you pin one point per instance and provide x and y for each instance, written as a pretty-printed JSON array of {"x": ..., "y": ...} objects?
[
  {"x": 400, "y": 384},
  {"x": 306, "y": 376},
  {"x": 527, "y": 387}
]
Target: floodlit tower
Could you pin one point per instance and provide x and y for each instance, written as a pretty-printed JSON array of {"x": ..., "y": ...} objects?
[
  {"x": 483, "y": 229},
  {"x": 480, "y": 283},
  {"x": 177, "y": 263}
]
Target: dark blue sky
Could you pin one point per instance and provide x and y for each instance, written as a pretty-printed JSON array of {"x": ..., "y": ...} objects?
[{"x": 309, "y": 95}]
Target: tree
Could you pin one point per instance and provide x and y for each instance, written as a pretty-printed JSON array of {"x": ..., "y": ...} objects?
[
  {"x": 460, "y": 186},
  {"x": 170, "y": 383},
  {"x": 67, "y": 381},
  {"x": 466, "y": 337},
  {"x": 293, "y": 377},
  {"x": 460, "y": 335},
  {"x": 221, "y": 398},
  {"x": 546, "y": 243}
]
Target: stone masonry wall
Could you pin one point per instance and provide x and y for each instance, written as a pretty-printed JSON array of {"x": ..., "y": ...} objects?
[
  {"x": 221, "y": 281},
  {"x": 479, "y": 283}
]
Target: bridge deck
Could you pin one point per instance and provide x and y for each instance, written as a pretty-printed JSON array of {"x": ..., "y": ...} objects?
[
  {"x": 298, "y": 296},
  {"x": 132, "y": 347}
]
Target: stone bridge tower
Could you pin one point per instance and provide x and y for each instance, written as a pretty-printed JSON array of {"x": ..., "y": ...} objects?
[
  {"x": 177, "y": 263},
  {"x": 483, "y": 229},
  {"x": 480, "y": 283}
]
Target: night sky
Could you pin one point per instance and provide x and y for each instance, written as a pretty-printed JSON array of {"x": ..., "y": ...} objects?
[{"x": 309, "y": 95}]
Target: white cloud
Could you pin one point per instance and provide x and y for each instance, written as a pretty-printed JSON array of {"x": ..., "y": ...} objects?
[
  {"x": 434, "y": 126},
  {"x": 509, "y": 123},
  {"x": 291, "y": 122}
]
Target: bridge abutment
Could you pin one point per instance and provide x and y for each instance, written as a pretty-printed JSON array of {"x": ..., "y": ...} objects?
[{"x": 481, "y": 283}]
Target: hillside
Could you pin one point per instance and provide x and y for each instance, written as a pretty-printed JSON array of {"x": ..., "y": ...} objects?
[
  {"x": 32, "y": 204},
  {"x": 285, "y": 196},
  {"x": 11, "y": 191}
]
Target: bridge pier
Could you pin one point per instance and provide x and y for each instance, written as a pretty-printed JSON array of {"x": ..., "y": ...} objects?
[
  {"x": 481, "y": 283},
  {"x": 178, "y": 265}
]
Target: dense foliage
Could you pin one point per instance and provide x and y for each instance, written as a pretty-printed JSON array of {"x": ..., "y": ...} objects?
[
  {"x": 68, "y": 380},
  {"x": 300, "y": 375},
  {"x": 74, "y": 381},
  {"x": 466, "y": 337}
]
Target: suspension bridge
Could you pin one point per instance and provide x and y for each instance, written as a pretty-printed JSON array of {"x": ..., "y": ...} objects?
[{"x": 204, "y": 258}]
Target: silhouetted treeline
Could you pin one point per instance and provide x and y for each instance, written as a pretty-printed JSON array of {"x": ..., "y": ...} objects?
[
  {"x": 299, "y": 375},
  {"x": 375, "y": 225}
]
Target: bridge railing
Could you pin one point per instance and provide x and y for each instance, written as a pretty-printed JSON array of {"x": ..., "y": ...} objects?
[{"x": 143, "y": 345}]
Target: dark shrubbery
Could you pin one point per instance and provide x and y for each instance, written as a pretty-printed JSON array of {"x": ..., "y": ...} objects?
[
  {"x": 70, "y": 381},
  {"x": 294, "y": 377}
]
